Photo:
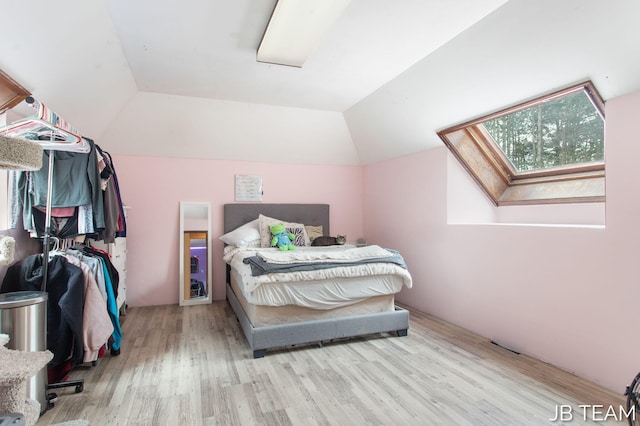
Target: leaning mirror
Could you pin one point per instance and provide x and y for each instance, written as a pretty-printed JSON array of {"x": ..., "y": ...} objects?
[{"x": 195, "y": 253}]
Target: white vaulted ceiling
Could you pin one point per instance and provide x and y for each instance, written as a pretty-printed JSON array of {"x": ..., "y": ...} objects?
[
  {"x": 207, "y": 48},
  {"x": 139, "y": 76}
]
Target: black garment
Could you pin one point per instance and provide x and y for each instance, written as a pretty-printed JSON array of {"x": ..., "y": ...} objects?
[
  {"x": 61, "y": 227},
  {"x": 65, "y": 289}
]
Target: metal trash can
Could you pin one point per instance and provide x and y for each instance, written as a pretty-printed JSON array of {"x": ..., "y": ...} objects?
[{"x": 23, "y": 316}]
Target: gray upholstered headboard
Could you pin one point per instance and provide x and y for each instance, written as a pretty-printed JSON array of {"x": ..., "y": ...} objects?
[{"x": 308, "y": 214}]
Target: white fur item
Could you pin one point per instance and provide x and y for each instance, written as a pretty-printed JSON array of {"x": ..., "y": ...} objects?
[
  {"x": 20, "y": 154},
  {"x": 7, "y": 249}
]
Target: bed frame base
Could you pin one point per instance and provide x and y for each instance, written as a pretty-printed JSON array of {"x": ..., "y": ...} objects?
[{"x": 274, "y": 336}]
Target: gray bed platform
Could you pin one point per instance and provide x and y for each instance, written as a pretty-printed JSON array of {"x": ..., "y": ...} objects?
[
  {"x": 262, "y": 338},
  {"x": 276, "y": 336}
]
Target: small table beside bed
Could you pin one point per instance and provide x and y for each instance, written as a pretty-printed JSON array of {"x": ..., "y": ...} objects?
[{"x": 311, "y": 294}]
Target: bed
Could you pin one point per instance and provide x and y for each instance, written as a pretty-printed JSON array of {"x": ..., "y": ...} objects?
[{"x": 284, "y": 309}]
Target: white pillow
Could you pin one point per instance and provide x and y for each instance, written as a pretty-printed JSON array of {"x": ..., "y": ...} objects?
[{"x": 244, "y": 235}]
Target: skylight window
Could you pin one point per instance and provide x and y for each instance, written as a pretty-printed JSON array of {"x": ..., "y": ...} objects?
[
  {"x": 564, "y": 131},
  {"x": 547, "y": 150}
]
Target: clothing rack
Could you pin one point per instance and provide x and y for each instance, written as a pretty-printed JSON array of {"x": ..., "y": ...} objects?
[
  {"x": 60, "y": 136},
  {"x": 47, "y": 227},
  {"x": 53, "y": 133}
]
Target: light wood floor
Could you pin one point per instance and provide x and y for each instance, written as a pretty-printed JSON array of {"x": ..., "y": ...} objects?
[{"x": 192, "y": 366}]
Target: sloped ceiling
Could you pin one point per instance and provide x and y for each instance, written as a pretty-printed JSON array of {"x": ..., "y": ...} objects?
[
  {"x": 164, "y": 78},
  {"x": 522, "y": 50},
  {"x": 207, "y": 48},
  {"x": 68, "y": 54}
]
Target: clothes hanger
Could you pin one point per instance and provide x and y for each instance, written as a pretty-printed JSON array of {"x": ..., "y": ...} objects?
[
  {"x": 55, "y": 250},
  {"x": 48, "y": 129}
]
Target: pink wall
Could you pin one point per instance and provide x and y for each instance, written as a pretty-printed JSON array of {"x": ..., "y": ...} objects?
[
  {"x": 565, "y": 295},
  {"x": 154, "y": 187}
]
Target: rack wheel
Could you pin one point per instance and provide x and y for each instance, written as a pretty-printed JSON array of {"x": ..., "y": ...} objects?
[
  {"x": 79, "y": 388},
  {"x": 633, "y": 401}
]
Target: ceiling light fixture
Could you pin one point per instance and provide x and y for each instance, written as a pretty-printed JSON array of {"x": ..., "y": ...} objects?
[{"x": 296, "y": 28}]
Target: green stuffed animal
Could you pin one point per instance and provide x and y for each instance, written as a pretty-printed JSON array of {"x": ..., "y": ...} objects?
[{"x": 281, "y": 238}]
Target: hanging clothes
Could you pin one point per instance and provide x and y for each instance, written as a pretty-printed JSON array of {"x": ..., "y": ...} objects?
[
  {"x": 76, "y": 180},
  {"x": 107, "y": 281},
  {"x": 78, "y": 306},
  {"x": 96, "y": 323},
  {"x": 61, "y": 226},
  {"x": 112, "y": 278},
  {"x": 65, "y": 288},
  {"x": 96, "y": 269},
  {"x": 111, "y": 213},
  {"x": 115, "y": 222},
  {"x": 114, "y": 275},
  {"x": 114, "y": 314},
  {"x": 85, "y": 197}
]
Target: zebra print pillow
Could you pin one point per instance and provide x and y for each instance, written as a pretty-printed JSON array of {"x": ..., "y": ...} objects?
[{"x": 299, "y": 233}]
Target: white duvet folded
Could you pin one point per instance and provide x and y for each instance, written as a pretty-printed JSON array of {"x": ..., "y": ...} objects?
[{"x": 348, "y": 254}]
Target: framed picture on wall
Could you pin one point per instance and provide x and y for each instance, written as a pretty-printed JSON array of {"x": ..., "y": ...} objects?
[{"x": 248, "y": 188}]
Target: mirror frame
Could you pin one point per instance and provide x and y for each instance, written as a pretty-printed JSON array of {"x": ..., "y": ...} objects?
[{"x": 195, "y": 210}]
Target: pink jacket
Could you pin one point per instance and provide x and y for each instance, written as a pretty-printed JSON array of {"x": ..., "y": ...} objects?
[{"x": 96, "y": 324}]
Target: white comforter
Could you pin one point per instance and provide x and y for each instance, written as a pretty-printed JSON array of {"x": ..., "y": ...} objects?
[
  {"x": 334, "y": 254},
  {"x": 234, "y": 256}
]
